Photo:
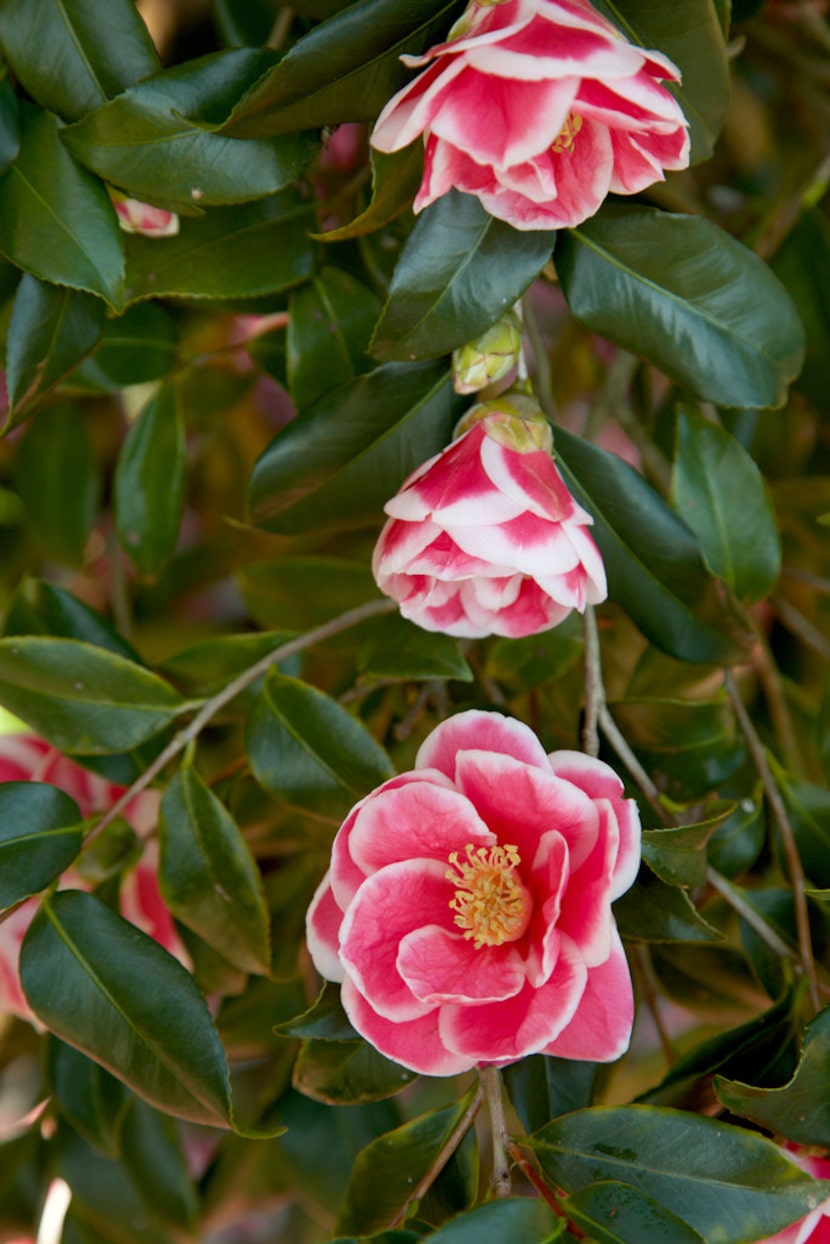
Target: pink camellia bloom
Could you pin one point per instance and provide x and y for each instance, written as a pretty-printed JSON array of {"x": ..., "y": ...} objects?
[
  {"x": 467, "y": 910},
  {"x": 484, "y": 538},
  {"x": 540, "y": 108},
  {"x": 137, "y": 217},
  {"x": 25, "y": 757},
  {"x": 815, "y": 1228}
]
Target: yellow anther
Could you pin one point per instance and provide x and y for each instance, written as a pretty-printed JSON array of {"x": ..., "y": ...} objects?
[{"x": 491, "y": 904}]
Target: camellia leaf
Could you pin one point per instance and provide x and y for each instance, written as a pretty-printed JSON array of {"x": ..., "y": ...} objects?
[
  {"x": 9, "y": 122},
  {"x": 307, "y": 749},
  {"x": 208, "y": 876},
  {"x": 694, "y": 743},
  {"x": 808, "y": 805},
  {"x": 691, "y": 35},
  {"x": 338, "y": 463},
  {"x": 726, "y": 1183},
  {"x": 51, "y": 329},
  {"x": 395, "y": 180},
  {"x": 459, "y": 271},
  {"x": 81, "y": 698},
  {"x": 55, "y": 448},
  {"x": 330, "y": 321},
  {"x": 515, "y": 1218},
  {"x": 149, "y": 482},
  {"x": 105, "y": 987},
  {"x": 41, "y": 608},
  {"x": 137, "y": 347},
  {"x": 542, "y": 1086},
  {"x": 799, "y": 1110},
  {"x": 58, "y": 221},
  {"x": 40, "y": 835},
  {"x": 86, "y": 52},
  {"x": 347, "y": 1073},
  {"x": 220, "y": 254},
  {"x": 301, "y": 592},
  {"x": 145, "y": 143},
  {"x": 653, "y": 911},
  {"x": 345, "y": 69},
  {"x": 719, "y": 492},
  {"x": 209, "y": 665},
  {"x": 325, "y": 1019},
  {"x": 653, "y": 562},
  {"x": 397, "y": 648},
  {"x": 683, "y": 294},
  {"x": 386, "y": 1172},
  {"x": 739, "y": 840},
  {"x": 615, "y": 1213},
  {"x": 94, "y": 1101},
  {"x": 678, "y": 854}
]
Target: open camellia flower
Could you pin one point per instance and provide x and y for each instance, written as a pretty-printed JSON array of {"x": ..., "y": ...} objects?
[
  {"x": 467, "y": 910},
  {"x": 815, "y": 1228},
  {"x": 540, "y": 108},
  {"x": 27, "y": 758},
  {"x": 484, "y": 538}
]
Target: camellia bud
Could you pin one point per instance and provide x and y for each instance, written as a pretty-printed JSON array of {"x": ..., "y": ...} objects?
[
  {"x": 137, "y": 217},
  {"x": 490, "y": 357},
  {"x": 513, "y": 419}
]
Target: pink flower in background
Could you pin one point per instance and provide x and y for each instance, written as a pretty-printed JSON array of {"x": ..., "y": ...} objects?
[
  {"x": 540, "y": 108},
  {"x": 467, "y": 910},
  {"x": 25, "y": 757},
  {"x": 137, "y": 217},
  {"x": 815, "y": 1228},
  {"x": 484, "y": 538}
]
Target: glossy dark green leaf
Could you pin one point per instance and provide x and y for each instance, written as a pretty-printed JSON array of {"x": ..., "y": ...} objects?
[
  {"x": 85, "y": 52},
  {"x": 148, "y": 489},
  {"x": 40, "y": 835},
  {"x": 799, "y": 1110},
  {"x": 694, "y": 743},
  {"x": 208, "y": 877},
  {"x": 727, "y": 1183},
  {"x": 305, "y": 748},
  {"x": 149, "y": 144},
  {"x": 809, "y": 808},
  {"x": 683, "y": 294},
  {"x": 58, "y": 222},
  {"x": 738, "y": 841},
  {"x": 616, "y": 1213},
  {"x": 720, "y": 494},
  {"x": 386, "y": 1171},
  {"x": 342, "y": 459},
  {"x": 653, "y": 911},
  {"x": 529, "y": 662},
  {"x": 83, "y": 699},
  {"x": 209, "y": 665},
  {"x": 459, "y": 271},
  {"x": 51, "y": 329},
  {"x": 653, "y": 562},
  {"x": 41, "y": 608},
  {"x": 244, "y": 23},
  {"x": 57, "y": 447},
  {"x": 344, "y": 1073},
  {"x": 691, "y": 35},
  {"x": 138, "y": 346},
  {"x": 300, "y": 592},
  {"x": 105, "y": 987},
  {"x": 154, "y": 1158},
  {"x": 396, "y": 648},
  {"x": 329, "y": 326},
  {"x": 678, "y": 855},
  {"x": 9, "y": 122},
  {"x": 220, "y": 254},
  {"x": 93, "y": 1101},
  {"x": 395, "y": 181},
  {"x": 802, "y": 264},
  {"x": 542, "y": 1087},
  {"x": 325, "y": 1019},
  {"x": 516, "y": 1218},
  {"x": 344, "y": 69}
]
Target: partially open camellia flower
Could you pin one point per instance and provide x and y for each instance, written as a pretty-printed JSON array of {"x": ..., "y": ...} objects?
[
  {"x": 467, "y": 910},
  {"x": 484, "y": 538},
  {"x": 540, "y": 108},
  {"x": 815, "y": 1228},
  {"x": 27, "y": 758},
  {"x": 137, "y": 217}
]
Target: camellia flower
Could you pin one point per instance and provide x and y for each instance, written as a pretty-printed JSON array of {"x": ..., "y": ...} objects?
[
  {"x": 467, "y": 910},
  {"x": 137, "y": 217},
  {"x": 815, "y": 1228},
  {"x": 540, "y": 108},
  {"x": 484, "y": 538},
  {"x": 25, "y": 757}
]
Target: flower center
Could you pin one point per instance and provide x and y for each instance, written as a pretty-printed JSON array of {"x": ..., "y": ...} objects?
[
  {"x": 566, "y": 138},
  {"x": 490, "y": 903}
]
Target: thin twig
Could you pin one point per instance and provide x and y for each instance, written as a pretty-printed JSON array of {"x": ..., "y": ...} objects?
[
  {"x": 620, "y": 745},
  {"x": 782, "y": 722},
  {"x": 500, "y": 1181},
  {"x": 212, "y": 706},
  {"x": 738, "y": 903},
  {"x": 645, "y": 973},
  {"x": 449, "y": 1147},
  {"x": 594, "y": 689},
  {"x": 795, "y": 621},
  {"x": 759, "y": 756}
]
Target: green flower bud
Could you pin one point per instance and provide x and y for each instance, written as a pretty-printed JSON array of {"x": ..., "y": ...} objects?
[
  {"x": 489, "y": 357},
  {"x": 514, "y": 420}
]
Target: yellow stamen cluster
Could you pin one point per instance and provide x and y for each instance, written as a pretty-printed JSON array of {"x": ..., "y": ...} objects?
[
  {"x": 490, "y": 903},
  {"x": 567, "y": 135}
]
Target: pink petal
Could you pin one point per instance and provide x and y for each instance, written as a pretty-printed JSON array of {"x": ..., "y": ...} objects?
[
  {"x": 141, "y": 903},
  {"x": 440, "y": 967},
  {"x": 530, "y": 612},
  {"x": 586, "y": 907},
  {"x": 420, "y": 820},
  {"x": 443, "y": 559},
  {"x": 600, "y": 1030},
  {"x": 639, "y": 159},
  {"x": 455, "y": 489},
  {"x": 599, "y": 781},
  {"x": 532, "y": 545},
  {"x": 484, "y": 731},
  {"x": 638, "y": 103},
  {"x": 399, "y": 543},
  {"x": 12, "y": 931},
  {"x": 543, "y": 50},
  {"x": 322, "y": 922},
  {"x": 389, "y": 905},
  {"x": 410, "y": 112},
  {"x": 501, "y": 1032},
  {"x": 531, "y": 480},
  {"x": 414, "y": 1043}
]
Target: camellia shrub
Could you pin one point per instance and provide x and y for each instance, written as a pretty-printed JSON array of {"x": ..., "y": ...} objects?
[{"x": 414, "y": 624}]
